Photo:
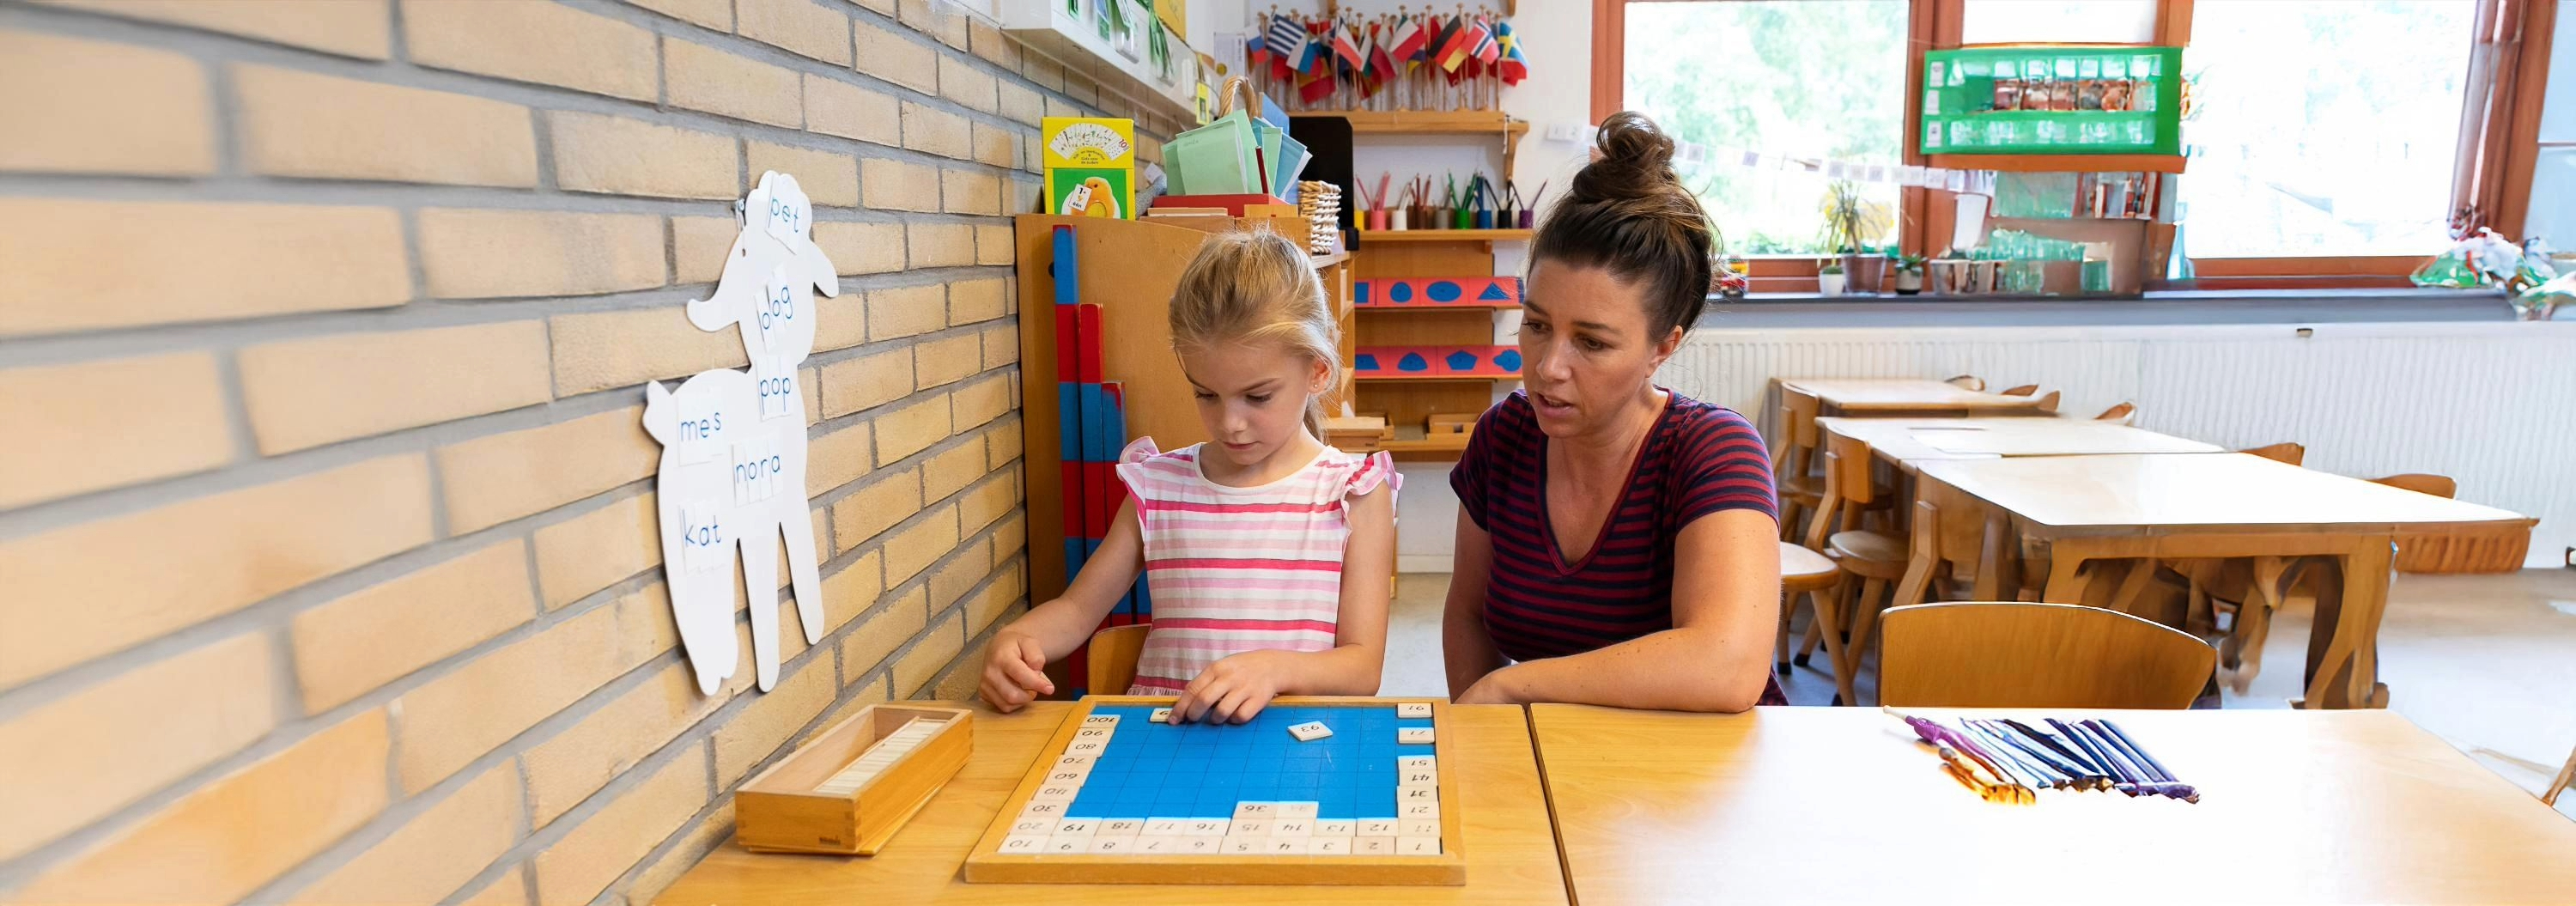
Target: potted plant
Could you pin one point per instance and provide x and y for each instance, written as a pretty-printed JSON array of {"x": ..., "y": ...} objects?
[
  {"x": 1851, "y": 221},
  {"x": 1829, "y": 277},
  {"x": 1909, "y": 274}
]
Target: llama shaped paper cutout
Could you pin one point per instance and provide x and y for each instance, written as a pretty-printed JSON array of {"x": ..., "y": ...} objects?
[{"x": 733, "y": 444}]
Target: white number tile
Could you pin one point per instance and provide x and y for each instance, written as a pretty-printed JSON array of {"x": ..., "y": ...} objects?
[
  {"x": 1061, "y": 844},
  {"x": 1249, "y": 827},
  {"x": 1033, "y": 826},
  {"x": 1161, "y": 827},
  {"x": 1077, "y": 826},
  {"x": 1113, "y": 843},
  {"x": 1284, "y": 846},
  {"x": 1128, "y": 826},
  {"x": 1086, "y": 747},
  {"x": 1373, "y": 846},
  {"x": 1043, "y": 810},
  {"x": 1417, "y": 762},
  {"x": 1024, "y": 844},
  {"x": 1292, "y": 827},
  {"x": 1413, "y": 710},
  {"x": 1056, "y": 792},
  {"x": 1300, "y": 809},
  {"x": 1420, "y": 810},
  {"x": 1336, "y": 828},
  {"x": 1162, "y": 715},
  {"x": 1238, "y": 846},
  {"x": 1201, "y": 846},
  {"x": 1417, "y": 846},
  {"x": 1244, "y": 810},
  {"x": 1377, "y": 827},
  {"x": 1413, "y": 736},
  {"x": 1159, "y": 844},
  {"x": 1205, "y": 828},
  {"x": 1413, "y": 778},
  {"x": 1100, "y": 720},
  {"x": 1418, "y": 827}
]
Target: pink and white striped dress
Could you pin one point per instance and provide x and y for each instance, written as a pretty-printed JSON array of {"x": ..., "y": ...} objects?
[{"x": 1240, "y": 569}]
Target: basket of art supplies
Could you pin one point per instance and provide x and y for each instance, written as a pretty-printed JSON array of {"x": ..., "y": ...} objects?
[{"x": 1321, "y": 204}]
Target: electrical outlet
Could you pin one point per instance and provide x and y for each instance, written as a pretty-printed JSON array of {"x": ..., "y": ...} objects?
[{"x": 1565, "y": 132}]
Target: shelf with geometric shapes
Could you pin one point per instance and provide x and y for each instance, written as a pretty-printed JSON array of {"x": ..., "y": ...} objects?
[
  {"x": 1436, "y": 363},
  {"x": 1435, "y": 293}
]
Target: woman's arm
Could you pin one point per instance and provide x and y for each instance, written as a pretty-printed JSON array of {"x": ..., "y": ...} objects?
[
  {"x": 1015, "y": 662},
  {"x": 1465, "y": 646},
  {"x": 1726, "y": 602},
  {"x": 1236, "y": 688}
]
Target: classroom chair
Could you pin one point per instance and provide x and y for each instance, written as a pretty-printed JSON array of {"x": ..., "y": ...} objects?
[
  {"x": 2023, "y": 390},
  {"x": 1967, "y": 382},
  {"x": 1876, "y": 558},
  {"x": 2291, "y": 453},
  {"x": 1113, "y": 658},
  {"x": 2025, "y": 655},
  {"x": 2566, "y": 773},
  {"x": 1792, "y": 448},
  {"x": 1805, "y": 573},
  {"x": 2122, "y": 414}
]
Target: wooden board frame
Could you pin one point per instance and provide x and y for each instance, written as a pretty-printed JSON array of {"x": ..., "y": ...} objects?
[
  {"x": 779, "y": 811},
  {"x": 986, "y": 863}
]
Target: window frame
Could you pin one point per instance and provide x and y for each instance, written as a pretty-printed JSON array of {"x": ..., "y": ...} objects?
[{"x": 2499, "y": 141}]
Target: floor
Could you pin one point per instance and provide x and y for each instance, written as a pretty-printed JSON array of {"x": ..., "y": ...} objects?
[{"x": 2486, "y": 662}]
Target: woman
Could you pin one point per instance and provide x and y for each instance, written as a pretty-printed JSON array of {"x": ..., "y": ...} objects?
[{"x": 1617, "y": 541}]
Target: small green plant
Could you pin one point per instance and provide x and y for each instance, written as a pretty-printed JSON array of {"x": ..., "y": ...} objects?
[
  {"x": 1907, "y": 264},
  {"x": 1851, "y": 220},
  {"x": 1830, "y": 267}
]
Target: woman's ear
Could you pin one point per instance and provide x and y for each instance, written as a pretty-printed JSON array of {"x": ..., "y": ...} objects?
[{"x": 1671, "y": 343}]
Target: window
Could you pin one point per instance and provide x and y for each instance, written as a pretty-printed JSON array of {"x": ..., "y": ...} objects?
[
  {"x": 1820, "y": 79},
  {"x": 2323, "y": 127}
]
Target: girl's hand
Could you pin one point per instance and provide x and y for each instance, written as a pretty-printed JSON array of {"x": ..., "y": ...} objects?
[
  {"x": 1014, "y": 672},
  {"x": 1233, "y": 690},
  {"x": 1496, "y": 688}
]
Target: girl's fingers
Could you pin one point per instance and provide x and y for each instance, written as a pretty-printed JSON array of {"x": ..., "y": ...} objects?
[
  {"x": 1250, "y": 707},
  {"x": 1197, "y": 697},
  {"x": 1025, "y": 665},
  {"x": 1229, "y": 710}
]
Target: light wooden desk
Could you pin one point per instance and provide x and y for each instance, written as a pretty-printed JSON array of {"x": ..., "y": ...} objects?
[
  {"x": 1511, "y": 849},
  {"x": 1840, "y": 805},
  {"x": 2170, "y": 506},
  {"x": 1855, "y": 396},
  {"x": 1902, "y": 441}
]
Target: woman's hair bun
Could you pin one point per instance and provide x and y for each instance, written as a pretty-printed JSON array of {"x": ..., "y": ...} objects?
[{"x": 1635, "y": 160}]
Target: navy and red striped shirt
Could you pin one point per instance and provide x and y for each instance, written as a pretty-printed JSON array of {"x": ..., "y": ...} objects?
[{"x": 1699, "y": 458}]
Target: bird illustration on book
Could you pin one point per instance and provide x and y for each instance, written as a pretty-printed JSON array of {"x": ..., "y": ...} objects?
[
  {"x": 1093, "y": 198},
  {"x": 732, "y": 474}
]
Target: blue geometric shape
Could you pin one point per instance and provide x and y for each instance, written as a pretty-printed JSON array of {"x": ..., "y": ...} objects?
[
  {"x": 1508, "y": 360},
  {"x": 1361, "y": 290},
  {"x": 1152, "y": 770},
  {"x": 1494, "y": 293},
  {"x": 1412, "y": 361},
  {"x": 1364, "y": 362},
  {"x": 1462, "y": 360},
  {"x": 1444, "y": 291},
  {"x": 1401, "y": 292}
]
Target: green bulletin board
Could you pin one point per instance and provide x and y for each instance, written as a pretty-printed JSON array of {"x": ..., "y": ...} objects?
[{"x": 2047, "y": 99}]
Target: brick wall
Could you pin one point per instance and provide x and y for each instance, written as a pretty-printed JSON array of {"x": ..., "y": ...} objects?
[{"x": 325, "y": 509}]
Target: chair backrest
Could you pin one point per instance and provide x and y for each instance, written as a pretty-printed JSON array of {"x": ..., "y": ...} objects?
[
  {"x": 2291, "y": 453},
  {"x": 1113, "y": 658},
  {"x": 2023, "y": 655},
  {"x": 2049, "y": 403},
  {"x": 2421, "y": 483},
  {"x": 2023, "y": 390},
  {"x": 1798, "y": 433},
  {"x": 2122, "y": 414},
  {"x": 1967, "y": 382}
]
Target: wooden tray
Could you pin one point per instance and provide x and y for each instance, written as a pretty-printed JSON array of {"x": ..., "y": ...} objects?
[
  {"x": 987, "y": 862},
  {"x": 781, "y": 809}
]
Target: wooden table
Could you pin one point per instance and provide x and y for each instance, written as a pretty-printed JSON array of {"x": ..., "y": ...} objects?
[
  {"x": 1902, "y": 441},
  {"x": 1857, "y": 396},
  {"x": 2077, "y": 509},
  {"x": 1840, "y": 805},
  {"x": 1511, "y": 850}
]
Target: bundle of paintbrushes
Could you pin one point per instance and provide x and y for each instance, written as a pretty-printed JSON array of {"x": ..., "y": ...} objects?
[
  {"x": 2011, "y": 761},
  {"x": 1321, "y": 204}
]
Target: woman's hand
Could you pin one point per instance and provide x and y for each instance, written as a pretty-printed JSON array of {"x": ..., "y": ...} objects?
[
  {"x": 1497, "y": 688},
  {"x": 1235, "y": 689},
  {"x": 1014, "y": 671}
]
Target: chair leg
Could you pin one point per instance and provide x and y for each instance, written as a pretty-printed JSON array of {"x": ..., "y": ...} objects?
[
  {"x": 1828, "y": 617},
  {"x": 2557, "y": 786},
  {"x": 1780, "y": 646},
  {"x": 1864, "y": 616}
]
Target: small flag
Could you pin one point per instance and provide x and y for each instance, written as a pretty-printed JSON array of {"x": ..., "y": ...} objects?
[
  {"x": 1286, "y": 36},
  {"x": 1515, "y": 66},
  {"x": 1487, "y": 49},
  {"x": 1381, "y": 66},
  {"x": 1409, "y": 41},
  {"x": 1346, "y": 47},
  {"x": 1459, "y": 42},
  {"x": 1256, "y": 51}
]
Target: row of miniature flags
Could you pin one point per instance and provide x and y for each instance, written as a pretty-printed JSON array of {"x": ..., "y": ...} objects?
[
  {"x": 1695, "y": 155},
  {"x": 1371, "y": 52}
]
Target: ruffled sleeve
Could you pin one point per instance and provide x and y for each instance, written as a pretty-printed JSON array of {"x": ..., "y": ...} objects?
[
  {"x": 1139, "y": 451},
  {"x": 1375, "y": 469}
]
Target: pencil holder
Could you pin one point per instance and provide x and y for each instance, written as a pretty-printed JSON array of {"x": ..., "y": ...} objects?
[
  {"x": 1395, "y": 218},
  {"x": 1529, "y": 218},
  {"x": 1484, "y": 220},
  {"x": 1464, "y": 219},
  {"x": 1377, "y": 220}
]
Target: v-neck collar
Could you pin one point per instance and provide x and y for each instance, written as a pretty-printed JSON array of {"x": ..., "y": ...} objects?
[{"x": 1546, "y": 510}]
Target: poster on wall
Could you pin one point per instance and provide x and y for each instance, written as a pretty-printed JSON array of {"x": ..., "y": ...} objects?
[{"x": 732, "y": 479}]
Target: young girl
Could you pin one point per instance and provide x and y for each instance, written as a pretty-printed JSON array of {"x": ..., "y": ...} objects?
[{"x": 1268, "y": 553}]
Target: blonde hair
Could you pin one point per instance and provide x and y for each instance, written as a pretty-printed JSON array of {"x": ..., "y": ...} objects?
[{"x": 1257, "y": 288}]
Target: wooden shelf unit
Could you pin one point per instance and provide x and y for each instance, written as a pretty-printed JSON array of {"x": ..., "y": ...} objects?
[{"x": 1369, "y": 236}]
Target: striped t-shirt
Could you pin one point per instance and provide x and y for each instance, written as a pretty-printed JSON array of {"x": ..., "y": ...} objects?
[
  {"x": 1240, "y": 569},
  {"x": 1698, "y": 459}
]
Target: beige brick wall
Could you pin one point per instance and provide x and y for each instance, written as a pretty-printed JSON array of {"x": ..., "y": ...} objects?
[{"x": 329, "y": 523}]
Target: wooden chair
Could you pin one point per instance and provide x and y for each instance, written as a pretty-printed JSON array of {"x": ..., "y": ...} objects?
[
  {"x": 1806, "y": 573},
  {"x": 2291, "y": 453},
  {"x": 1113, "y": 658},
  {"x": 1967, "y": 382},
  {"x": 2023, "y": 390},
  {"x": 2418, "y": 482},
  {"x": 2024, "y": 655},
  {"x": 2048, "y": 403},
  {"x": 1791, "y": 452},
  {"x": 2122, "y": 414},
  {"x": 1876, "y": 558},
  {"x": 2566, "y": 774}
]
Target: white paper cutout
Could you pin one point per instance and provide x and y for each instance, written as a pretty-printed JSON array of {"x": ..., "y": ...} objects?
[{"x": 733, "y": 462}]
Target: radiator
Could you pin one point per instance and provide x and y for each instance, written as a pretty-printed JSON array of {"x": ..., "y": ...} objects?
[{"x": 2490, "y": 404}]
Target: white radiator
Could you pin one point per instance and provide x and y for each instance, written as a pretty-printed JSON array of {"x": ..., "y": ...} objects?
[{"x": 2491, "y": 404}]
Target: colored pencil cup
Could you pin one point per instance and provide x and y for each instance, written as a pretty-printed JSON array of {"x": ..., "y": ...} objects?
[
  {"x": 1377, "y": 219},
  {"x": 1484, "y": 220}
]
